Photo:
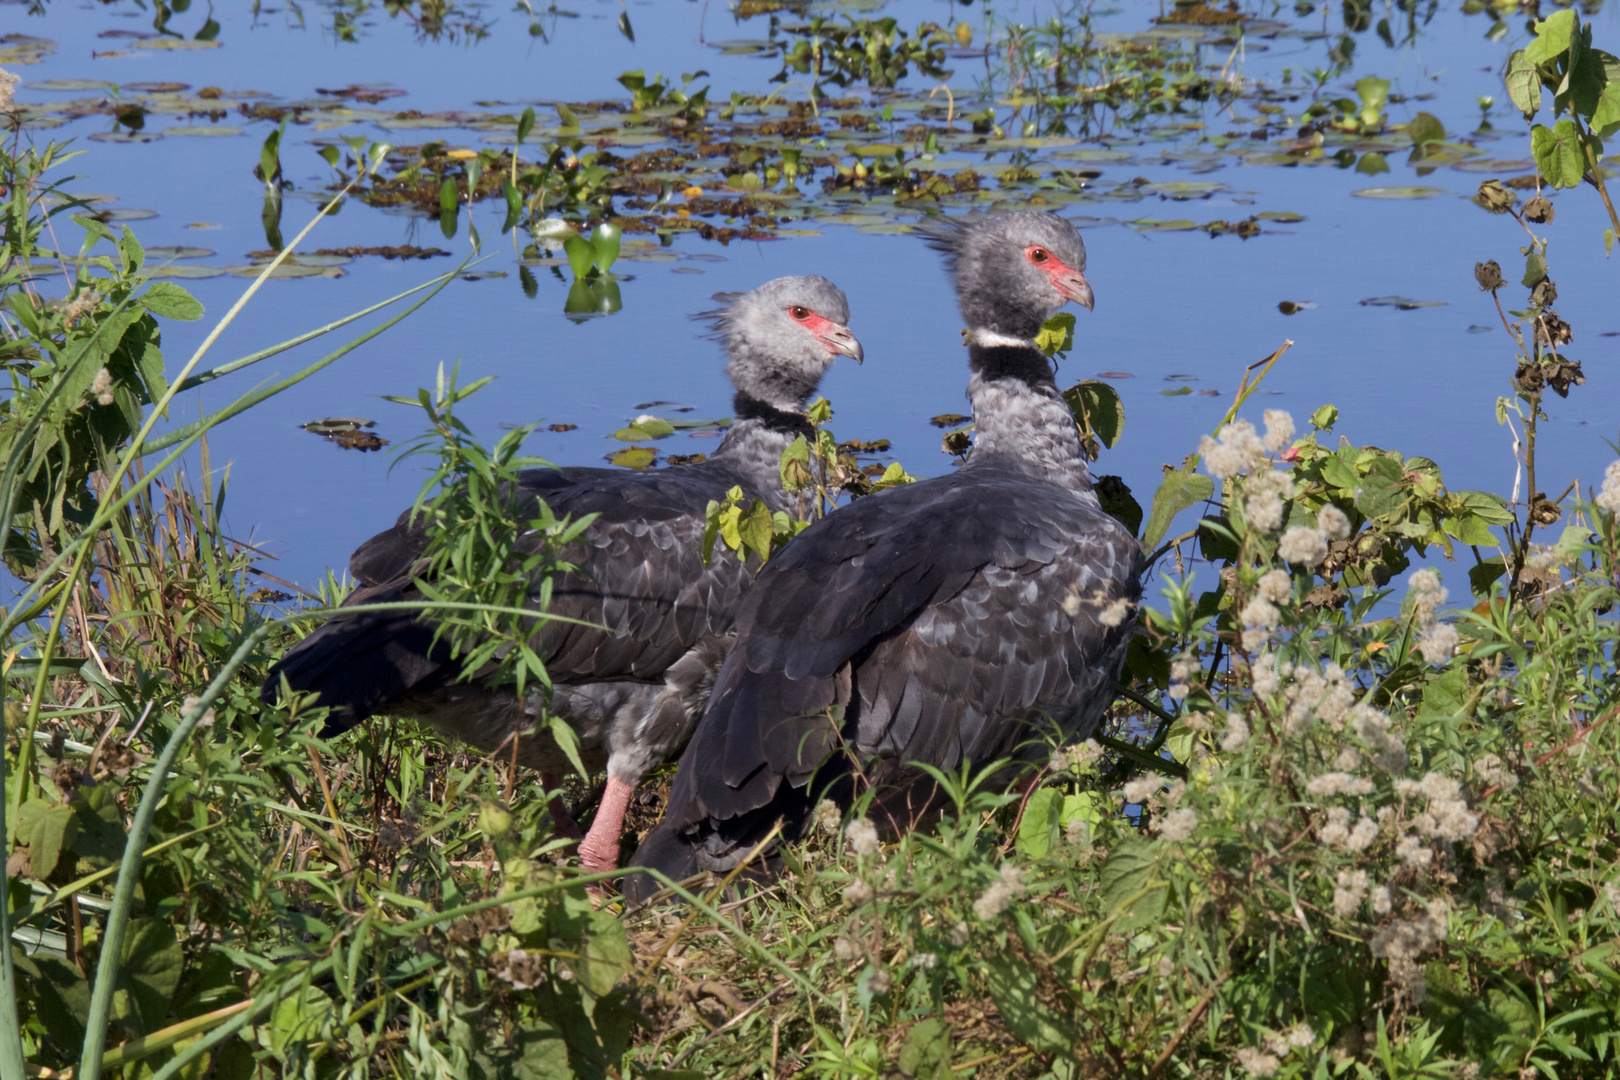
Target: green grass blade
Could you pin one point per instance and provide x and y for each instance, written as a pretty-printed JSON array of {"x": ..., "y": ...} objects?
[{"x": 112, "y": 940}]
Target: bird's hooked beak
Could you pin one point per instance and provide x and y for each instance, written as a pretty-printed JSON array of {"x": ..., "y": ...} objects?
[
  {"x": 839, "y": 341},
  {"x": 1074, "y": 286}
]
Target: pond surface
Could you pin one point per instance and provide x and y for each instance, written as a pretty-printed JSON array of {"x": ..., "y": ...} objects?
[{"x": 1179, "y": 312}]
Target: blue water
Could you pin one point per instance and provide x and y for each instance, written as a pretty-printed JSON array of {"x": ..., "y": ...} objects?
[{"x": 1167, "y": 303}]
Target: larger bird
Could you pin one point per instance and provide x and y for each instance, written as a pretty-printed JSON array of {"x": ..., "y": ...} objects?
[
  {"x": 944, "y": 621},
  {"x": 654, "y": 619}
]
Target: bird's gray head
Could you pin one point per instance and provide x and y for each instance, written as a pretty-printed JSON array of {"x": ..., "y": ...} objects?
[
  {"x": 1012, "y": 270},
  {"x": 781, "y": 338}
]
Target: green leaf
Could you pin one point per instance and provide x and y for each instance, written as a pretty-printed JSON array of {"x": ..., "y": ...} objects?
[
  {"x": 447, "y": 197},
  {"x": 1595, "y": 91},
  {"x": 566, "y": 115},
  {"x": 1125, "y": 883},
  {"x": 1372, "y": 163},
  {"x": 1483, "y": 574},
  {"x": 48, "y": 831},
  {"x": 1469, "y": 529},
  {"x": 1039, "y": 825},
  {"x": 1425, "y": 128},
  {"x": 525, "y": 124},
  {"x": 151, "y": 971},
  {"x": 1489, "y": 508},
  {"x": 170, "y": 301},
  {"x": 1013, "y": 985},
  {"x": 1181, "y": 489},
  {"x": 331, "y": 155},
  {"x": 633, "y": 457},
  {"x": 1558, "y": 152},
  {"x": 606, "y": 955},
  {"x": 1523, "y": 84},
  {"x": 580, "y": 255},
  {"x": 1056, "y": 336},
  {"x": 604, "y": 246},
  {"x": 926, "y": 1052},
  {"x": 1097, "y": 409},
  {"x": 755, "y": 528},
  {"x": 568, "y": 742},
  {"x": 1553, "y": 36},
  {"x": 1535, "y": 269},
  {"x": 1446, "y": 693},
  {"x": 1118, "y": 502}
]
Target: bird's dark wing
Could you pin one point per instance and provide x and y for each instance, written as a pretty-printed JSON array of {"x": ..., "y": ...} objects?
[
  {"x": 928, "y": 623},
  {"x": 641, "y": 583}
]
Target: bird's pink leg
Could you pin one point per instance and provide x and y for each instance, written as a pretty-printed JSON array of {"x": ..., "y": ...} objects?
[{"x": 599, "y": 851}]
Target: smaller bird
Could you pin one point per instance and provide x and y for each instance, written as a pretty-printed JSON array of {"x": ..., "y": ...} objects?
[
  {"x": 651, "y": 619},
  {"x": 954, "y": 619}
]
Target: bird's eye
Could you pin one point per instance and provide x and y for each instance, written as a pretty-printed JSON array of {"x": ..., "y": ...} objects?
[
  {"x": 799, "y": 312},
  {"x": 1038, "y": 255}
]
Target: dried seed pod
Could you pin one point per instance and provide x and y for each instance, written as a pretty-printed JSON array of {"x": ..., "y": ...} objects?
[
  {"x": 1489, "y": 276},
  {"x": 1494, "y": 197},
  {"x": 1539, "y": 209}
]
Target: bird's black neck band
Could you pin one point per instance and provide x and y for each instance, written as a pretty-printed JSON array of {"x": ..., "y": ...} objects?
[
  {"x": 748, "y": 407},
  {"x": 1025, "y": 363}
]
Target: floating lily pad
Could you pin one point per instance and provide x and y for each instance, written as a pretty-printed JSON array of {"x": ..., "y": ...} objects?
[
  {"x": 349, "y": 432},
  {"x": 285, "y": 270},
  {"x": 126, "y": 213},
  {"x": 72, "y": 85},
  {"x": 1493, "y": 166},
  {"x": 189, "y": 271},
  {"x": 178, "y": 252},
  {"x": 169, "y": 44},
  {"x": 1151, "y": 225},
  {"x": 686, "y": 270},
  {"x": 1182, "y": 190},
  {"x": 125, "y": 136},
  {"x": 1294, "y": 307},
  {"x": 1180, "y": 391},
  {"x": 157, "y": 87},
  {"x": 1287, "y": 217},
  {"x": 22, "y": 49},
  {"x": 1404, "y": 191},
  {"x": 633, "y": 457},
  {"x": 482, "y": 275},
  {"x": 645, "y": 427},
  {"x": 201, "y": 225},
  {"x": 1401, "y": 303},
  {"x": 1477, "y": 329},
  {"x": 1115, "y": 375},
  {"x": 202, "y": 130}
]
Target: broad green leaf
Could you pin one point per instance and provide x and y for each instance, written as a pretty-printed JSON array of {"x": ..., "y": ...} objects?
[
  {"x": 1469, "y": 529},
  {"x": 1372, "y": 163},
  {"x": 171, "y": 301},
  {"x": 604, "y": 246},
  {"x": 755, "y": 529},
  {"x": 48, "y": 831},
  {"x": 1013, "y": 985},
  {"x": 1446, "y": 693},
  {"x": 1523, "y": 84},
  {"x": 297, "y": 1018},
  {"x": 606, "y": 953},
  {"x": 633, "y": 457},
  {"x": 525, "y": 124},
  {"x": 926, "y": 1052},
  {"x": 1535, "y": 270},
  {"x": 1595, "y": 91},
  {"x": 1489, "y": 508},
  {"x": 1125, "y": 873},
  {"x": 1056, "y": 336},
  {"x": 1481, "y": 576},
  {"x": 1097, "y": 409},
  {"x": 1181, "y": 489},
  {"x": 580, "y": 255},
  {"x": 1039, "y": 824},
  {"x": 1552, "y": 37},
  {"x": 447, "y": 197},
  {"x": 1557, "y": 151},
  {"x": 151, "y": 970},
  {"x": 1425, "y": 128}
]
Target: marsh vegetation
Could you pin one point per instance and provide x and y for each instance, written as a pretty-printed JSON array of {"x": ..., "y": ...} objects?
[{"x": 1355, "y": 811}]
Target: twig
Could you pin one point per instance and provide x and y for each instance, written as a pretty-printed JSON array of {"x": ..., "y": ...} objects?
[{"x": 1186, "y": 1027}]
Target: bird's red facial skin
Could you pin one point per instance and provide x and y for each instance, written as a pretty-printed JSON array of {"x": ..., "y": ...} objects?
[
  {"x": 818, "y": 325},
  {"x": 1068, "y": 281}
]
